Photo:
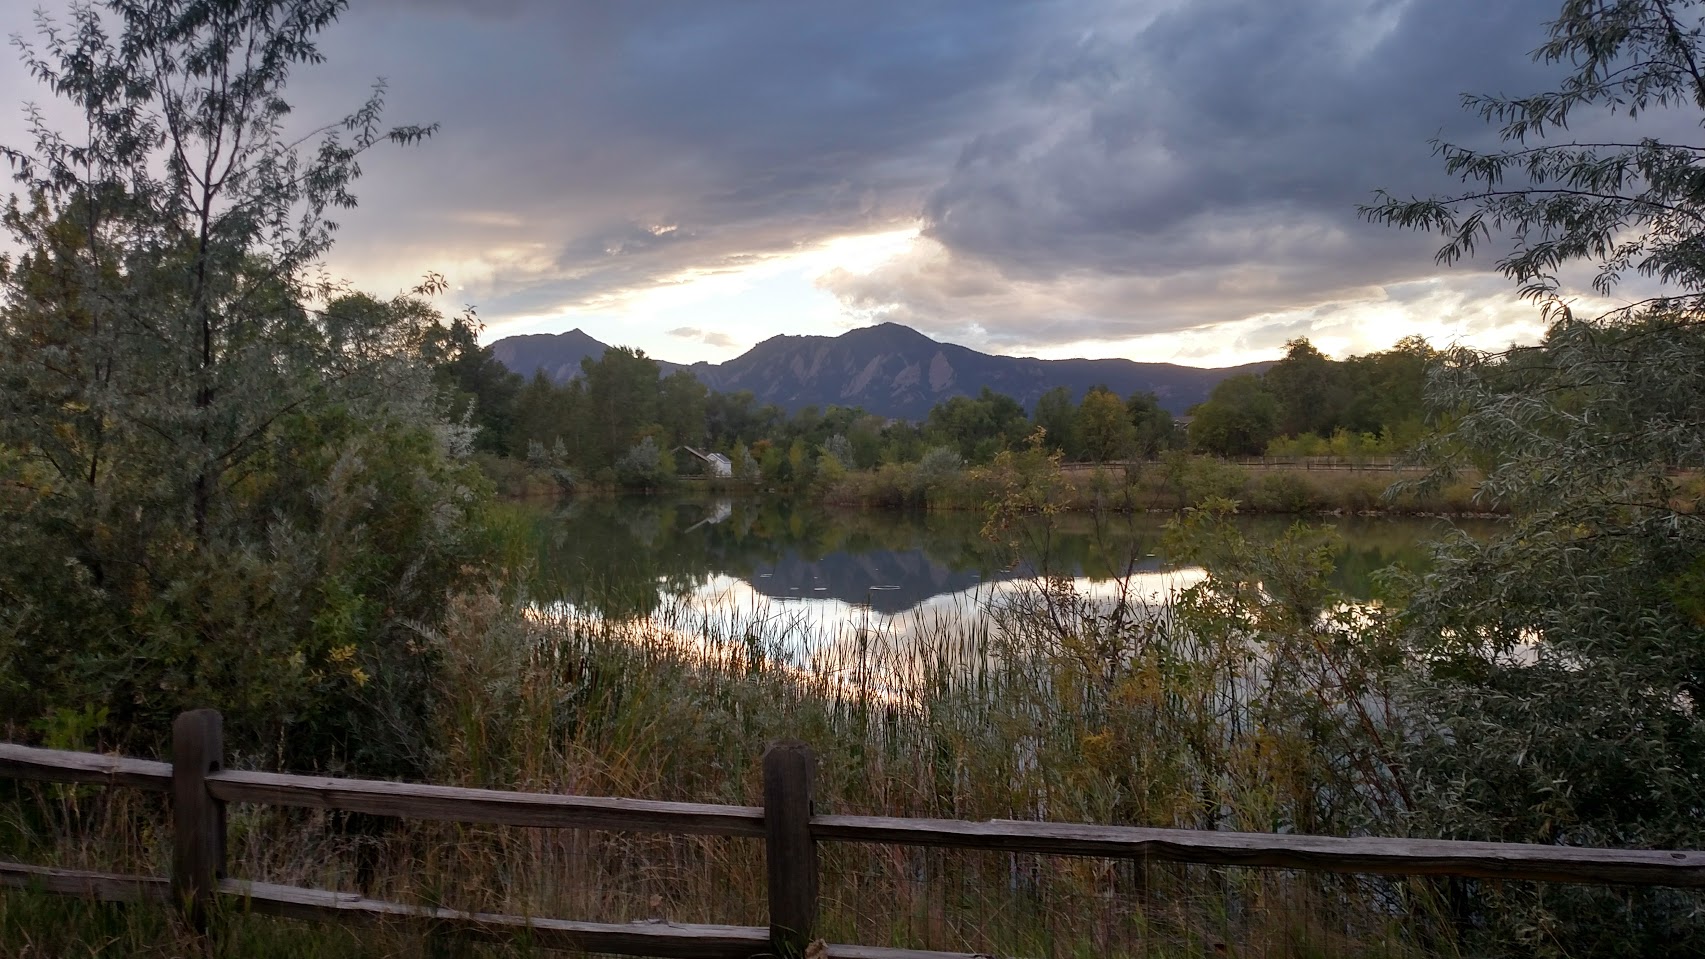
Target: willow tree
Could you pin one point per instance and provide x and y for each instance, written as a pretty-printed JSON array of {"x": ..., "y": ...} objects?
[
  {"x": 224, "y": 479},
  {"x": 1566, "y": 659}
]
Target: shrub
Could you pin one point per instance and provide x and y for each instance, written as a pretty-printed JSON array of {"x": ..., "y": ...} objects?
[
  {"x": 645, "y": 466},
  {"x": 1284, "y": 492}
]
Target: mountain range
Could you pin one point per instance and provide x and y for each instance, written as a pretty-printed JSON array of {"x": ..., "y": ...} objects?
[{"x": 888, "y": 369}]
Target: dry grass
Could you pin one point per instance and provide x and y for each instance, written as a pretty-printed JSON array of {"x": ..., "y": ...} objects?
[
  {"x": 1179, "y": 482},
  {"x": 1061, "y": 707}
]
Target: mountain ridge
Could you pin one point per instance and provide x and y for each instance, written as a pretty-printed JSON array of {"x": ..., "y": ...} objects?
[{"x": 888, "y": 369}]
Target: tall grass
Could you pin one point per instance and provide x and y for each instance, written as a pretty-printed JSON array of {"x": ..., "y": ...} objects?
[
  {"x": 1213, "y": 705},
  {"x": 1175, "y": 482}
]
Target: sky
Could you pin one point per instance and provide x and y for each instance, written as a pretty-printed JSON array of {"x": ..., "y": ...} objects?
[{"x": 1162, "y": 180}]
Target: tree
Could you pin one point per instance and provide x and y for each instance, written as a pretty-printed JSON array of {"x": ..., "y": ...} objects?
[
  {"x": 865, "y": 438},
  {"x": 978, "y": 427},
  {"x": 621, "y": 401},
  {"x": 1237, "y": 419},
  {"x": 226, "y": 482},
  {"x": 1388, "y": 391},
  {"x": 1153, "y": 426},
  {"x": 1102, "y": 429},
  {"x": 1309, "y": 390},
  {"x": 681, "y": 407},
  {"x": 1056, "y": 414},
  {"x": 478, "y": 387},
  {"x": 1565, "y": 660}
]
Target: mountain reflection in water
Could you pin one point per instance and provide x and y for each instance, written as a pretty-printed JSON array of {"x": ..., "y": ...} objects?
[{"x": 625, "y": 558}]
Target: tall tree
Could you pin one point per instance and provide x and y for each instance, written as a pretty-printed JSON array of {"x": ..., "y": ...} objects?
[
  {"x": 1153, "y": 427},
  {"x": 217, "y": 466},
  {"x": 1101, "y": 427},
  {"x": 682, "y": 400},
  {"x": 1237, "y": 419},
  {"x": 479, "y": 388},
  {"x": 1567, "y": 657},
  {"x": 1055, "y": 414},
  {"x": 621, "y": 402},
  {"x": 1309, "y": 389}
]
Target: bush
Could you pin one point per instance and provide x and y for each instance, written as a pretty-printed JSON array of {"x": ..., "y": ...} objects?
[
  {"x": 306, "y": 637},
  {"x": 645, "y": 466},
  {"x": 1284, "y": 492},
  {"x": 1205, "y": 478},
  {"x": 939, "y": 465}
]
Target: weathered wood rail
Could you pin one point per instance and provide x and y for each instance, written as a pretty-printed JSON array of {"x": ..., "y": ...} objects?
[{"x": 791, "y": 828}]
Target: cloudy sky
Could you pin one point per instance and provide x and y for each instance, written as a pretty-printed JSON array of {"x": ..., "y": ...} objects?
[{"x": 1157, "y": 179}]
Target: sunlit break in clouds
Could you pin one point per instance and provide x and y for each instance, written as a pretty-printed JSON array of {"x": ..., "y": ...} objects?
[{"x": 1161, "y": 181}]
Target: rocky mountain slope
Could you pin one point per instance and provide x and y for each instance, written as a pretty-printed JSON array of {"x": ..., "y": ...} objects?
[{"x": 888, "y": 369}]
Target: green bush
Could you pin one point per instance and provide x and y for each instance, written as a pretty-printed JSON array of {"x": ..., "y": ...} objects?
[{"x": 1284, "y": 492}]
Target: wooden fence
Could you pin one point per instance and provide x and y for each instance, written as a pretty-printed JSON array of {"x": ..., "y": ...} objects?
[{"x": 200, "y": 786}]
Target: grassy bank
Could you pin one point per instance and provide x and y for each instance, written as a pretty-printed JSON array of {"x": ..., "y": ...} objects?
[
  {"x": 1176, "y": 482},
  {"x": 1224, "y": 705},
  {"x": 1061, "y": 707}
]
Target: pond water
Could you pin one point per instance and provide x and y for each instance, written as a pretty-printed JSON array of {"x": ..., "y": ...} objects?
[{"x": 811, "y": 574}]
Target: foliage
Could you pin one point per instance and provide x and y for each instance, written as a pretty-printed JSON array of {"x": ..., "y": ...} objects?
[
  {"x": 481, "y": 391},
  {"x": 1564, "y": 668},
  {"x": 622, "y": 396},
  {"x": 1317, "y": 404},
  {"x": 939, "y": 465},
  {"x": 1101, "y": 427},
  {"x": 1055, "y": 415},
  {"x": 1238, "y": 419},
  {"x": 839, "y": 449},
  {"x": 553, "y": 462},
  {"x": 644, "y": 466},
  {"x": 1153, "y": 428},
  {"x": 225, "y": 482},
  {"x": 978, "y": 427}
]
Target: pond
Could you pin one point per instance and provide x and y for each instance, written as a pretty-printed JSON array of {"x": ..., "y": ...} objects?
[{"x": 812, "y": 575}]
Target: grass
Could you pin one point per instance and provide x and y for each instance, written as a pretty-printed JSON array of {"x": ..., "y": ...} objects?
[
  {"x": 1058, "y": 706},
  {"x": 1176, "y": 482}
]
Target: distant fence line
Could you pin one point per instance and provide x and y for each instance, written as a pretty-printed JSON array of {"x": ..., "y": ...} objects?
[
  {"x": 1327, "y": 463},
  {"x": 199, "y": 787}
]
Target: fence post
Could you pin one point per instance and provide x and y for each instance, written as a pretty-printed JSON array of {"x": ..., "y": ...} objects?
[
  {"x": 790, "y": 854},
  {"x": 198, "y": 820}
]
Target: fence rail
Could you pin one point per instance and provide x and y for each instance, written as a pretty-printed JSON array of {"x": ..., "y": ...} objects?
[{"x": 787, "y": 822}]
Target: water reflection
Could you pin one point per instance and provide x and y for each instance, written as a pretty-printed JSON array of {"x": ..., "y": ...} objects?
[{"x": 627, "y": 558}]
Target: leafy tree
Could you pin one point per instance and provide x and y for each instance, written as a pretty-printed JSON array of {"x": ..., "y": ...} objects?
[
  {"x": 741, "y": 462},
  {"x": 1309, "y": 389},
  {"x": 681, "y": 405},
  {"x": 938, "y": 465},
  {"x": 978, "y": 427},
  {"x": 865, "y": 437},
  {"x": 1153, "y": 428},
  {"x": 839, "y": 449},
  {"x": 1388, "y": 391},
  {"x": 1238, "y": 418},
  {"x": 225, "y": 481},
  {"x": 798, "y": 462},
  {"x": 478, "y": 387},
  {"x": 1056, "y": 414},
  {"x": 621, "y": 401},
  {"x": 1566, "y": 659},
  {"x": 543, "y": 414},
  {"x": 1101, "y": 427}
]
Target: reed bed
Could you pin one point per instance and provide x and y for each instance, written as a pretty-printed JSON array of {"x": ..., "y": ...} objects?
[{"x": 1204, "y": 705}]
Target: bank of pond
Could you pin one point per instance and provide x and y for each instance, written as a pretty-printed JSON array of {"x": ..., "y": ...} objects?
[{"x": 632, "y": 556}]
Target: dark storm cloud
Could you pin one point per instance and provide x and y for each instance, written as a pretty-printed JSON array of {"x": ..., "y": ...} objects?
[
  {"x": 747, "y": 128},
  {"x": 1081, "y": 168},
  {"x": 1206, "y": 166}
]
